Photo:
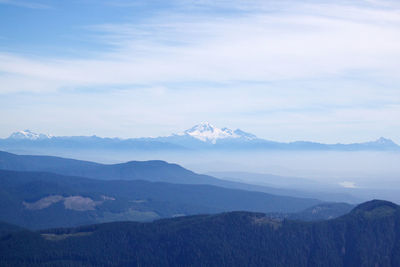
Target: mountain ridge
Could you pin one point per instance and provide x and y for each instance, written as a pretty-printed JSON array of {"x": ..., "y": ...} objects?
[
  {"x": 40, "y": 200},
  {"x": 154, "y": 170},
  {"x": 201, "y": 136},
  {"x": 225, "y": 239}
]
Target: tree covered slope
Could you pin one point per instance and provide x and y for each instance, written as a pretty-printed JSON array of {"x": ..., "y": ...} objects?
[
  {"x": 40, "y": 200},
  {"x": 368, "y": 236}
]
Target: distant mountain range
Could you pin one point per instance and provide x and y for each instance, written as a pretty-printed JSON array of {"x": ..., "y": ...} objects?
[
  {"x": 203, "y": 136},
  {"x": 161, "y": 171},
  {"x": 367, "y": 236},
  {"x": 42, "y": 191},
  {"x": 38, "y": 200}
]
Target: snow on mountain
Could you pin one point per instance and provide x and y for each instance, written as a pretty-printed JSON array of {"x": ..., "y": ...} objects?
[
  {"x": 29, "y": 135},
  {"x": 209, "y": 133},
  {"x": 198, "y": 137},
  {"x": 384, "y": 141},
  {"x": 245, "y": 135}
]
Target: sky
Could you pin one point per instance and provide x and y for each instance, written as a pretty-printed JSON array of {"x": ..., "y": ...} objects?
[{"x": 284, "y": 70}]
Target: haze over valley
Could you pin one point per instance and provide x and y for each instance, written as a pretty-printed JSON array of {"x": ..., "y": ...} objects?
[
  {"x": 365, "y": 169},
  {"x": 199, "y": 133}
]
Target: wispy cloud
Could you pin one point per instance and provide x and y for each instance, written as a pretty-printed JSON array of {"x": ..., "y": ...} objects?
[
  {"x": 274, "y": 62},
  {"x": 25, "y": 4},
  {"x": 303, "y": 42}
]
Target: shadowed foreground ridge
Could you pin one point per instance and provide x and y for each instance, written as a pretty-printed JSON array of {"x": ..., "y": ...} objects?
[
  {"x": 367, "y": 236},
  {"x": 37, "y": 200}
]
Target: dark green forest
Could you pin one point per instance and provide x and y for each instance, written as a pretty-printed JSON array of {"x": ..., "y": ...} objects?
[{"x": 368, "y": 236}]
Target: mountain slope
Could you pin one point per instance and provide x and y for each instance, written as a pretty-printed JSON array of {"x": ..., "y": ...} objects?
[
  {"x": 144, "y": 170},
  {"x": 6, "y": 228},
  {"x": 368, "y": 236},
  {"x": 41, "y": 200},
  {"x": 158, "y": 171}
]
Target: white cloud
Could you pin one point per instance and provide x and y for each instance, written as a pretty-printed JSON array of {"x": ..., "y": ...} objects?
[
  {"x": 308, "y": 69},
  {"x": 305, "y": 41}
]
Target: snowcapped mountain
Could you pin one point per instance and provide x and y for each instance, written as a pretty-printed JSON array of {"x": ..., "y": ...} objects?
[
  {"x": 384, "y": 141},
  {"x": 200, "y": 137},
  {"x": 208, "y": 133},
  {"x": 29, "y": 135}
]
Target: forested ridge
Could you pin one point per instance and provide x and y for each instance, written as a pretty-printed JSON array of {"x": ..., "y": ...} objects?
[{"x": 368, "y": 236}]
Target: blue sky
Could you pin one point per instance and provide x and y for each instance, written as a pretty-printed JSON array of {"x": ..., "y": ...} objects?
[{"x": 283, "y": 70}]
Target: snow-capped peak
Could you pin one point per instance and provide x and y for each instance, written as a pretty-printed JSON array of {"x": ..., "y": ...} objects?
[
  {"x": 385, "y": 141},
  {"x": 209, "y": 133},
  {"x": 245, "y": 135},
  {"x": 29, "y": 135}
]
